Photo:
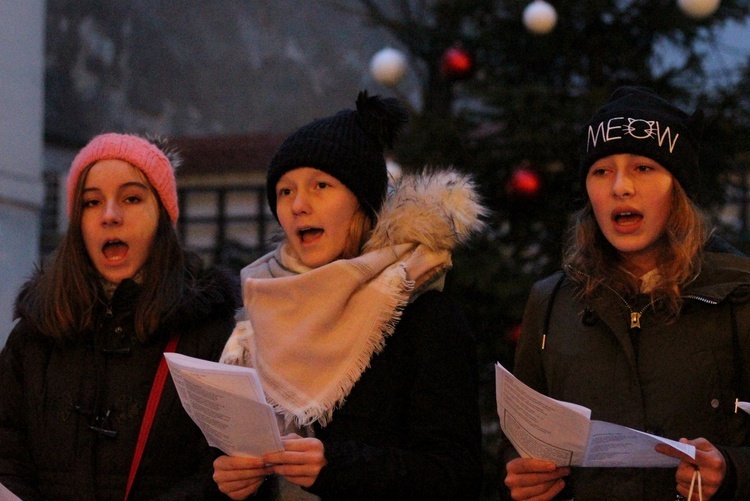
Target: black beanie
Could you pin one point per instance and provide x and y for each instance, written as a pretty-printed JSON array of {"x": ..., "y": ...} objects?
[
  {"x": 348, "y": 145},
  {"x": 636, "y": 120}
]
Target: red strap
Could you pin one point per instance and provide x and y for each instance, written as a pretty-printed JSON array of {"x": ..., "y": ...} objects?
[{"x": 148, "y": 417}]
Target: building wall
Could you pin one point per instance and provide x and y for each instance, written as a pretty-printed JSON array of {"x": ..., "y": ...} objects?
[
  {"x": 21, "y": 140},
  {"x": 197, "y": 68}
]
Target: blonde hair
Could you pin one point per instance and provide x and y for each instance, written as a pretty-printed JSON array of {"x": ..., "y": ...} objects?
[
  {"x": 360, "y": 229},
  {"x": 593, "y": 262}
]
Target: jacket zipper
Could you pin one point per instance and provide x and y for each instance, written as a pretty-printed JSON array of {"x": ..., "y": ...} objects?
[
  {"x": 635, "y": 316},
  {"x": 701, "y": 299}
]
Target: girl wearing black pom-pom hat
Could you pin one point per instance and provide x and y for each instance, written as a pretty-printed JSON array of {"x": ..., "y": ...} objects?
[{"x": 369, "y": 365}]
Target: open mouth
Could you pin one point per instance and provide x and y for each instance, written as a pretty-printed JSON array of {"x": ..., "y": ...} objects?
[
  {"x": 625, "y": 218},
  {"x": 309, "y": 234},
  {"x": 115, "y": 250}
]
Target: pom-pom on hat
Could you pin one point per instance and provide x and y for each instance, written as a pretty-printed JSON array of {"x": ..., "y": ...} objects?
[
  {"x": 138, "y": 152},
  {"x": 348, "y": 145},
  {"x": 636, "y": 120}
]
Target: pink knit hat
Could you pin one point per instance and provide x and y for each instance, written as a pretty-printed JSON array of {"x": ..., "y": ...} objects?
[{"x": 138, "y": 152}]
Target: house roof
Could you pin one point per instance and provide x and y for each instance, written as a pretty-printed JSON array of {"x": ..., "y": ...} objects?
[{"x": 238, "y": 153}]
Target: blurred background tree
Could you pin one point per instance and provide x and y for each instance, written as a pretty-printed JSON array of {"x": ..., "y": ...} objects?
[{"x": 504, "y": 99}]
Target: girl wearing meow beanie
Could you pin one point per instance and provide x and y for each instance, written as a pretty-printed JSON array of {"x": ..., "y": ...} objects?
[{"x": 647, "y": 324}]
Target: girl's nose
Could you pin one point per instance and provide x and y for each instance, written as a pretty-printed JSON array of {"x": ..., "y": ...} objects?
[
  {"x": 623, "y": 186},
  {"x": 112, "y": 214},
  {"x": 301, "y": 204}
]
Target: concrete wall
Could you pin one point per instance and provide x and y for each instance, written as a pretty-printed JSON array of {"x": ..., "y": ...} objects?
[{"x": 21, "y": 143}]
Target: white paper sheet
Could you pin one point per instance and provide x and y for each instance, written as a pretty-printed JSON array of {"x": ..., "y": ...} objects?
[
  {"x": 6, "y": 495},
  {"x": 541, "y": 427},
  {"x": 227, "y": 404},
  {"x": 745, "y": 406}
]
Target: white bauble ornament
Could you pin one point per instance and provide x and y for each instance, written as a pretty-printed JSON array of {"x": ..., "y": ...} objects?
[
  {"x": 388, "y": 66},
  {"x": 539, "y": 17}
]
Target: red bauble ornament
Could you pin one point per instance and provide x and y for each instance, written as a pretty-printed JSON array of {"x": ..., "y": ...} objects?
[
  {"x": 524, "y": 182},
  {"x": 457, "y": 64}
]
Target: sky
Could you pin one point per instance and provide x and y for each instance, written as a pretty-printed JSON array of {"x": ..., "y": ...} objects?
[{"x": 732, "y": 48}]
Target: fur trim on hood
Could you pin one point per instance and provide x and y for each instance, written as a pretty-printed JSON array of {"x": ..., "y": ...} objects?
[
  {"x": 216, "y": 292},
  {"x": 439, "y": 208}
]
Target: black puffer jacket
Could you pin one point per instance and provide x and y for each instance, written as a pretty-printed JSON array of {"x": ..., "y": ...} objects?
[{"x": 70, "y": 417}]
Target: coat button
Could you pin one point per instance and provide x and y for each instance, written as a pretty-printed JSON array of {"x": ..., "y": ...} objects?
[{"x": 715, "y": 403}]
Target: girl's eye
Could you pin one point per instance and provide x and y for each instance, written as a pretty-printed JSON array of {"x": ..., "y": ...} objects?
[
  {"x": 323, "y": 184},
  {"x": 643, "y": 168},
  {"x": 597, "y": 172},
  {"x": 283, "y": 191},
  {"x": 90, "y": 203},
  {"x": 133, "y": 199}
]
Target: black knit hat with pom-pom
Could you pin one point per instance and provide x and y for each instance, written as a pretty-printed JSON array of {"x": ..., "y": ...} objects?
[{"x": 348, "y": 145}]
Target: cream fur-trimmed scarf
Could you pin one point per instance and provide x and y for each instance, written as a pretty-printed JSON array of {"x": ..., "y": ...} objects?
[{"x": 310, "y": 333}]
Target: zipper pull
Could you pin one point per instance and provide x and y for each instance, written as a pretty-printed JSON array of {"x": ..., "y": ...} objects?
[{"x": 635, "y": 320}]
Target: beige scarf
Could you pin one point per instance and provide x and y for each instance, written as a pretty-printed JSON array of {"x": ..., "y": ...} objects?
[{"x": 311, "y": 333}]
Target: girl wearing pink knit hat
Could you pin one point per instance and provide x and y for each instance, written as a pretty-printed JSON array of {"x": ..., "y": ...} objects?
[{"x": 82, "y": 414}]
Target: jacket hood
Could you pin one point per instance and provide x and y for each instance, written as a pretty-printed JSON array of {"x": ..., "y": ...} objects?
[
  {"x": 214, "y": 291},
  {"x": 723, "y": 275},
  {"x": 439, "y": 208}
]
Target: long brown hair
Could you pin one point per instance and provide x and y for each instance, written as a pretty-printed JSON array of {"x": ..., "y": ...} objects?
[
  {"x": 62, "y": 299},
  {"x": 593, "y": 262}
]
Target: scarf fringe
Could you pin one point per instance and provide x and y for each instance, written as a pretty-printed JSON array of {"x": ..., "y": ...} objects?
[{"x": 322, "y": 410}]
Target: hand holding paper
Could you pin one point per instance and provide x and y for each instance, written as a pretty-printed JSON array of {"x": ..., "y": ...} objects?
[
  {"x": 542, "y": 427},
  {"x": 528, "y": 477},
  {"x": 708, "y": 467}
]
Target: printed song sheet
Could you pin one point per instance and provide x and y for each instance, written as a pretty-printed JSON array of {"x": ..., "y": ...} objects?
[
  {"x": 228, "y": 405},
  {"x": 542, "y": 427}
]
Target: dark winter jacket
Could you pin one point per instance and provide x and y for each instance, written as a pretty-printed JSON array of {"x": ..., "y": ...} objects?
[
  {"x": 674, "y": 380},
  {"x": 70, "y": 416},
  {"x": 410, "y": 427}
]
